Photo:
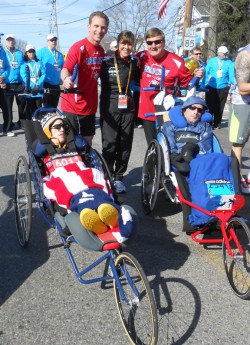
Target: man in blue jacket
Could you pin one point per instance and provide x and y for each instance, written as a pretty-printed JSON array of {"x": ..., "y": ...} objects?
[
  {"x": 13, "y": 81},
  {"x": 4, "y": 71},
  {"x": 53, "y": 62},
  {"x": 218, "y": 77}
]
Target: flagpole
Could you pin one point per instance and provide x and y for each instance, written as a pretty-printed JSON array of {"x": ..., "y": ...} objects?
[{"x": 187, "y": 20}]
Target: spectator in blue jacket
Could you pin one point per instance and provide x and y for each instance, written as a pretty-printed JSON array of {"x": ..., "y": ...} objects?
[
  {"x": 33, "y": 68},
  {"x": 53, "y": 62},
  {"x": 14, "y": 84},
  {"x": 4, "y": 71},
  {"x": 218, "y": 77}
]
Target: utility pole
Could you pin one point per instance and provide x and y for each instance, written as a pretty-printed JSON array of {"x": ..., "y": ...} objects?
[
  {"x": 187, "y": 20},
  {"x": 54, "y": 26}
]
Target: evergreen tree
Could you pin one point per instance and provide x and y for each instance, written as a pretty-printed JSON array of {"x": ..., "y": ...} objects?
[{"x": 233, "y": 27}]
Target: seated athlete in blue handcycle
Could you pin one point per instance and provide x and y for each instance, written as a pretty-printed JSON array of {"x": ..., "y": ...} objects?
[
  {"x": 192, "y": 152},
  {"x": 74, "y": 185}
]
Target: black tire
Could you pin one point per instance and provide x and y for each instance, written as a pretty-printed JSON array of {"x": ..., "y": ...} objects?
[
  {"x": 22, "y": 201},
  {"x": 138, "y": 315},
  {"x": 238, "y": 268},
  {"x": 101, "y": 165},
  {"x": 151, "y": 172}
]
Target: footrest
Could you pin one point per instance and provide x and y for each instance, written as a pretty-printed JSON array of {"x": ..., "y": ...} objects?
[{"x": 111, "y": 239}]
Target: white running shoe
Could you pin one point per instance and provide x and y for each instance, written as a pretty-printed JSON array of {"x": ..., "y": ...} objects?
[
  {"x": 119, "y": 187},
  {"x": 244, "y": 186},
  {"x": 11, "y": 134}
]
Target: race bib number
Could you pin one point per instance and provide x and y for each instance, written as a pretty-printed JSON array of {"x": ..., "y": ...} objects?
[
  {"x": 122, "y": 102},
  {"x": 221, "y": 193},
  {"x": 63, "y": 161}
]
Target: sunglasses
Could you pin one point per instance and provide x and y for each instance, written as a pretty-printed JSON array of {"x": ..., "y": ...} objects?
[
  {"x": 53, "y": 40},
  {"x": 149, "y": 43},
  {"x": 199, "y": 110},
  {"x": 197, "y": 53},
  {"x": 31, "y": 51},
  {"x": 61, "y": 125}
]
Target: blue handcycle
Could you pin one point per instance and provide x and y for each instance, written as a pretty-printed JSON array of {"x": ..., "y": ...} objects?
[{"x": 133, "y": 295}]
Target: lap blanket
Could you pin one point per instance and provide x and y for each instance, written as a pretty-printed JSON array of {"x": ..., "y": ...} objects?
[{"x": 211, "y": 185}]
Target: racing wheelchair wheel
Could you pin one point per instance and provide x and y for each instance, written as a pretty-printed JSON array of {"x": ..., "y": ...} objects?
[
  {"x": 137, "y": 309},
  {"x": 100, "y": 164},
  {"x": 238, "y": 267},
  {"x": 22, "y": 201},
  {"x": 151, "y": 172}
]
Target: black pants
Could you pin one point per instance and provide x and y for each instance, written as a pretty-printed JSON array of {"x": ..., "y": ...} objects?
[
  {"x": 149, "y": 130},
  {"x": 136, "y": 97},
  {"x": 10, "y": 93},
  {"x": 6, "y": 118},
  {"x": 30, "y": 106},
  {"x": 51, "y": 100},
  {"x": 117, "y": 137},
  {"x": 216, "y": 100}
]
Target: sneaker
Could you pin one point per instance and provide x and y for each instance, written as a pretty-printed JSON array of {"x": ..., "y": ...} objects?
[
  {"x": 244, "y": 186},
  {"x": 119, "y": 187},
  {"x": 11, "y": 134},
  {"x": 139, "y": 126},
  {"x": 108, "y": 215},
  {"x": 247, "y": 178},
  {"x": 91, "y": 221}
]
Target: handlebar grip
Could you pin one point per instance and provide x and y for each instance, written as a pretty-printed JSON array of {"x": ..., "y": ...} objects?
[
  {"x": 74, "y": 75},
  {"x": 149, "y": 114},
  {"x": 150, "y": 88}
]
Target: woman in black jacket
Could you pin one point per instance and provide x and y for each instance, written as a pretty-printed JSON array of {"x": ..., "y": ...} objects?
[{"x": 117, "y": 107}]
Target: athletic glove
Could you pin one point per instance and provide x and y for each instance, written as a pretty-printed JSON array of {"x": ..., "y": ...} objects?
[{"x": 189, "y": 151}]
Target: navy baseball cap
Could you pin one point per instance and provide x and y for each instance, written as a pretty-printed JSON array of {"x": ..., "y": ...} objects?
[{"x": 194, "y": 100}]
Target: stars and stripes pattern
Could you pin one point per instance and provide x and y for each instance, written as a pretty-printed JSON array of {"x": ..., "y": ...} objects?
[{"x": 162, "y": 9}]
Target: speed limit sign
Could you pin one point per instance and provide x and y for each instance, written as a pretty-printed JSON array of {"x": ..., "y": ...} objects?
[{"x": 189, "y": 42}]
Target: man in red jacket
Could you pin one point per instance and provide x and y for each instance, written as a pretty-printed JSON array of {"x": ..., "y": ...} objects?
[
  {"x": 151, "y": 62},
  {"x": 87, "y": 53}
]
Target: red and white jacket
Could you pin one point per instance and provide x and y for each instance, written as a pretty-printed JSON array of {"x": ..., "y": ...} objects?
[{"x": 68, "y": 176}]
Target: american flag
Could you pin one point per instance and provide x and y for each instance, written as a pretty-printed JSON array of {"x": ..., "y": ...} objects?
[{"x": 162, "y": 9}]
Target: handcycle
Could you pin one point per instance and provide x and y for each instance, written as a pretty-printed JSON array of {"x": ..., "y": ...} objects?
[
  {"x": 159, "y": 174},
  {"x": 134, "y": 298}
]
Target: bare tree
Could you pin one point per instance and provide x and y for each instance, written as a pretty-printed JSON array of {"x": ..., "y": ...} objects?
[
  {"x": 137, "y": 16},
  {"x": 20, "y": 44}
]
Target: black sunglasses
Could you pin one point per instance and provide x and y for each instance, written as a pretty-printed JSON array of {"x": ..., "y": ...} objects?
[
  {"x": 31, "y": 51},
  {"x": 155, "y": 42},
  {"x": 53, "y": 40},
  {"x": 61, "y": 125},
  {"x": 193, "y": 107}
]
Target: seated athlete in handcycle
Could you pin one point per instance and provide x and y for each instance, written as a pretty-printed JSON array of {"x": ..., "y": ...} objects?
[
  {"x": 190, "y": 139},
  {"x": 73, "y": 184}
]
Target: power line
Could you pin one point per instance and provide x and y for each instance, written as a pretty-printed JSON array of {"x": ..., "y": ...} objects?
[{"x": 79, "y": 20}]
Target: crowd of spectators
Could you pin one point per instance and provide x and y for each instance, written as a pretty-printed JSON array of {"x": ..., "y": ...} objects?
[{"x": 122, "y": 87}]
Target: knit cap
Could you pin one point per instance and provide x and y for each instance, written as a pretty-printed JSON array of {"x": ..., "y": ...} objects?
[{"x": 47, "y": 121}]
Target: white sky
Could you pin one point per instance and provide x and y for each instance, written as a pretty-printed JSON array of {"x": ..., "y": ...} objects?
[{"x": 30, "y": 20}]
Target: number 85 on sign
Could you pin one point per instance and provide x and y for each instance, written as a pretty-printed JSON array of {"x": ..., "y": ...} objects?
[{"x": 189, "y": 42}]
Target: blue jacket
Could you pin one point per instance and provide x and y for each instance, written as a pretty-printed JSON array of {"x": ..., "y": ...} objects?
[
  {"x": 178, "y": 132},
  {"x": 4, "y": 65},
  {"x": 15, "y": 61},
  {"x": 53, "y": 62},
  {"x": 215, "y": 80},
  {"x": 37, "y": 73}
]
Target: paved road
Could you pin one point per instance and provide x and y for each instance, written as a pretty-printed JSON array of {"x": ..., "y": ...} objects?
[{"x": 42, "y": 303}]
